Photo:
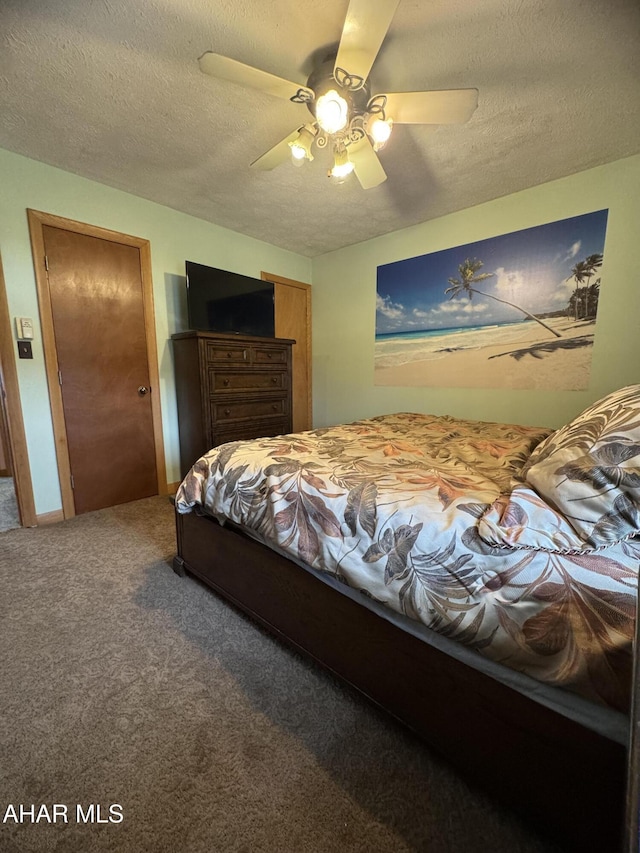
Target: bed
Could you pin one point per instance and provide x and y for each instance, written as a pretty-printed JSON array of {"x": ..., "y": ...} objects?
[{"x": 476, "y": 580}]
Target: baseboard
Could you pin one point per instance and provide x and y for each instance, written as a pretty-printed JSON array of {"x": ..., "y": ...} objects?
[
  {"x": 58, "y": 514},
  {"x": 50, "y": 517}
]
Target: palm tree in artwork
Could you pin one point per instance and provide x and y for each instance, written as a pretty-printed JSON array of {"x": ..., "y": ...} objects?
[
  {"x": 592, "y": 263},
  {"x": 578, "y": 273},
  {"x": 470, "y": 275}
]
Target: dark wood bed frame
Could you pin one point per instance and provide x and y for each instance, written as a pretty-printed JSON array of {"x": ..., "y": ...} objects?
[{"x": 567, "y": 779}]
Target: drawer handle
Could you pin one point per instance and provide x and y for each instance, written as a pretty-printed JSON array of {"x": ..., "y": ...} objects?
[
  {"x": 227, "y": 412},
  {"x": 225, "y": 381},
  {"x": 274, "y": 407},
  {"x": 268, "y": 355},
  {"x": 229, "y": 355},
  {"x": 274, "y": 379}
]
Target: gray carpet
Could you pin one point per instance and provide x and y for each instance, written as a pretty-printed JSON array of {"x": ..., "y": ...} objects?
[
  {"x": 125, "y": 684},
  {"x": 9, "y": 517}
]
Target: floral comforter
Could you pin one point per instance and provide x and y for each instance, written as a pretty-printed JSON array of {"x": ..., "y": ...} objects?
[{"x": 392, "y": 506}]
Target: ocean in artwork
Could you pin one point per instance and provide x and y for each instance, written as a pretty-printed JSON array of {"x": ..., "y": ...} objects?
[{"x": 392, "y": 350}]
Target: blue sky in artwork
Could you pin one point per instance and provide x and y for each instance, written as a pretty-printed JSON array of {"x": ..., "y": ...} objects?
[{"x": 529, "y": 267}]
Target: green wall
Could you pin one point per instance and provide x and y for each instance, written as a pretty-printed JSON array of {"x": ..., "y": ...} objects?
[
  {"x": 344, "y": 293},
  {"x": 174, "y": 237},
  {"x": 344, "y": 290}
]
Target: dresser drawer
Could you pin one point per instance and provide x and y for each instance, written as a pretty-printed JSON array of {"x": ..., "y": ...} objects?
[
  {"x": 231, "y": 410},
  {"x": 251, "y": 429},
  {"x": 219, "y": 351},
  {"x": 269, "y": 355},
  {"x": 248, "y": 380}
]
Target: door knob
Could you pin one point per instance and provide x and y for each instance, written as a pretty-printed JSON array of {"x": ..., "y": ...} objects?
[{"x": 142, "y": 390}]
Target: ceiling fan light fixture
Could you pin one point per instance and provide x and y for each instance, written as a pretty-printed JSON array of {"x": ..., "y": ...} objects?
[
  {"x": 337, "y": 94},
  {"x": 332, "y": 112},
  {"x": 342, "y": 166},
  {"x": 379, "y": 130},
  {"x": 301, "y": 146}
]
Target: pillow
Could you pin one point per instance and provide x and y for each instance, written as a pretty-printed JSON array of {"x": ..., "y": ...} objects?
[
  {"x": 521, "y": 519},
  {"x": 589, "y": 470}
]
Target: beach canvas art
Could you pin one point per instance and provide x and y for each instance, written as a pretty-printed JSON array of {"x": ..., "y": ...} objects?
[{"x": 514, "y": 311}]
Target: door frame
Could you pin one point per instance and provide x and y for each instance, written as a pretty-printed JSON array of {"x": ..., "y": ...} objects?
[
  {"x": 306, "y": 288},
  {"x": 13, "y": 415},
  {"x": 37, "y": 221}
]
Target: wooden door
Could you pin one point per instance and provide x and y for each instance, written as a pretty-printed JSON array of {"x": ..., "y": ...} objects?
[
  {"x": 6, "y": 468},
  {"x": 95, "y": 292},
  {"x": 16, "y": 438},
  {"x": 293, "y": 320}
]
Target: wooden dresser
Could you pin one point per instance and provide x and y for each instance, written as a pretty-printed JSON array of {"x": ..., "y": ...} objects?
[{"x": 229, "y": 387}]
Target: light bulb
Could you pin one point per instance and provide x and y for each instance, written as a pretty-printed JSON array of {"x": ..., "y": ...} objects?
[
  {"x": 342, "y": 170},
  {"x": 332, "y": 112},
  {"x": 379, "y": 131},
  {"x": 301, "y": 146},
  {"x": 342, "y": 166}
]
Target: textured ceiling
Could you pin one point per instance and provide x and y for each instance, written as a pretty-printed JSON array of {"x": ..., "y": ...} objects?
[{"x": 111, "y": 90}]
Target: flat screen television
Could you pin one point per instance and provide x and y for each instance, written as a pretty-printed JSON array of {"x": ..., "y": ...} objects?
[{"x": 223, "y": 301}]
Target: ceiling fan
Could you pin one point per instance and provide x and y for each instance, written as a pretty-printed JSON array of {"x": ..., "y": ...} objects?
[{"x": 345, "y": 116}]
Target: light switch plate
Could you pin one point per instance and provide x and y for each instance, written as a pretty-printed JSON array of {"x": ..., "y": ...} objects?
[
  {"x": 24, "y": 349},
  {"x": 24, "y": 328}
]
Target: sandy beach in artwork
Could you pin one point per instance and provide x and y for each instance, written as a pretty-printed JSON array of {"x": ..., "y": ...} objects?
[{"x": 520, "y": 355}]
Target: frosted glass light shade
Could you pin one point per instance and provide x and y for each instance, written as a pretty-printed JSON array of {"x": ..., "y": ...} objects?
[
  {"x": 332, "y": 112},
  {"x": 342, "y": 166},
  {"x": 380, "y": 131},
  {"x": 301, "y": 146}
]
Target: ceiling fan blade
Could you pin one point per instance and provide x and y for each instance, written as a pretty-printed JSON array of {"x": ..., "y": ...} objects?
[
  {"x": 276, "y": 155},
  {"x": 366, "y": 165},
  {"x": 245, "y": 75},
  {"x": 364, "y": 30},
  {"x": 447, "y": 106}
]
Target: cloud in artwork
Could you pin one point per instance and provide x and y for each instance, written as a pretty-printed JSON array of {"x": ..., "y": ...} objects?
[
  {"x": 561, "y": 294},
  {"x": 509, "y": 283},
  {"x": 393, "y": 316},
  {"x": 390, "y": 310},
  {"x": 461, "y": 308},
  {"x": 573, "y": 251}
]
